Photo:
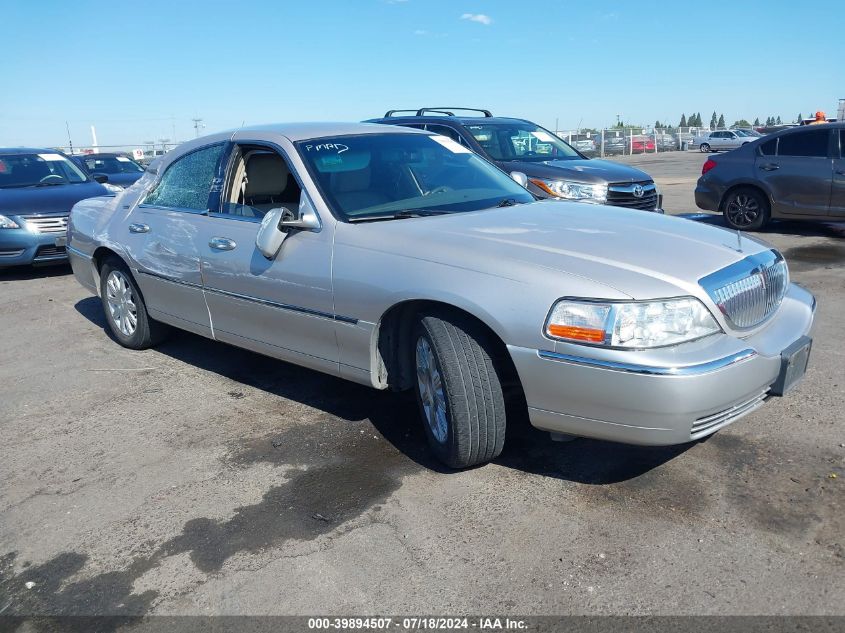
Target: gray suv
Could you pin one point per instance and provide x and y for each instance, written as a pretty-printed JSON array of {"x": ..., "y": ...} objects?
[
  {"x": 554, "y": 169},
  {"x": 796, "y": 174}
]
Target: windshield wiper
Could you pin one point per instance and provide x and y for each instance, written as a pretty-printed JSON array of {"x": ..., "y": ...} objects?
[
  {"x": 508, "y": 202},
  {"x": 398, "y": 215}
]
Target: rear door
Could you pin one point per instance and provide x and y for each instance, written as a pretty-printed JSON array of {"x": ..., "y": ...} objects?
[
  {"x": 837, "y": 193},
  {"x": 160, "y": 235},
  {"x": 800, "y": 175}
]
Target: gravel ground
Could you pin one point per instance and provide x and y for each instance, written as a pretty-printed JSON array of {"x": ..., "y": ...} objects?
[{"x": 197, "y": 478}]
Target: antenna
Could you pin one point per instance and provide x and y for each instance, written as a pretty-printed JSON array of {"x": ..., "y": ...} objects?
[{"x": 198, "y": 125}]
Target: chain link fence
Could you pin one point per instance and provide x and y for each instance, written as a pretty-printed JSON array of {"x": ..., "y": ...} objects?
[{"x": 629, "y": 141}]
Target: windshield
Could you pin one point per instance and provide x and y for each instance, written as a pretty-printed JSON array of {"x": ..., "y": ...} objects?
[
  {"x": 520, "y": 141},
  {"x": 380, "y": 176},
  {"x": 38, "y": 170},
  {"x": 750, "y": 133},
  {"x": 111, "y": 165}
]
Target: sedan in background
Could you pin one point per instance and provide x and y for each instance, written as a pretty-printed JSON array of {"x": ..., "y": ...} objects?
[
  {"x": 118, "y": 168},
  {"x": 796, "y": 174},
  {"x": 38, "y": 187},
  {"x": 721, "y": 140},
  {"x": 400, "y": 259}
]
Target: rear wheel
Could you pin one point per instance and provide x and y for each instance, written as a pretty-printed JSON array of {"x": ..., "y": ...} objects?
[
  {"x": 704, "y": 147},
  {"x": 125, "y": 310},
  {"x": 746, "y": 209},
  {"x": 458, "y": 390}
]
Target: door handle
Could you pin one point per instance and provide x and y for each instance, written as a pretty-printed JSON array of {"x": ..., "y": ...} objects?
[
  {"x": 770, "y": 167},
  {"x": 222, "y": 244},
  {"x": 139, "y": 228}
]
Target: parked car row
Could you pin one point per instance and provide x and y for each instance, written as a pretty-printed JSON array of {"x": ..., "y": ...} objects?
[{"x": 400, "y": 259}]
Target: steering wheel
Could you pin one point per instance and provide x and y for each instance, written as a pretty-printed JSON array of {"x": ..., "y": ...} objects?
[
  {"x": 440, "y": 189},
  {"x": 52, "y": 178}
]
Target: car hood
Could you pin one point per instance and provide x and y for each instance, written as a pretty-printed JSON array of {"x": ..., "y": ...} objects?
[
  {"x": 580, "y": 170},
  {"x": 639, "y": 255},
  {"x": 124, "y": 180},
  {"x": 55, "y": 199}
]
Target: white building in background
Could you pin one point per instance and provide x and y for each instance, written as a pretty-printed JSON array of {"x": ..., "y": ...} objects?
[{"x": 840, "y": 116}]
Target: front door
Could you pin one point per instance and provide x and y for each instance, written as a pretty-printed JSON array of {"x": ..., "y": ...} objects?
[
  {"x": 282, "y": 308},
  {"x": 799, "y": 176},
  {"x": 161, "y": 240}
]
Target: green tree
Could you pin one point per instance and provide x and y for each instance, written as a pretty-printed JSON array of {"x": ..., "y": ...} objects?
[
  {"x": 713, "y": 121},
  {"x": 721, "y": 124},
  {"x": 769, "y": 121},
  {"x": 757, "y": 122},
  {"x": 698, "y": 120},
  {"x": 683, "y": 122},
  {"x": 800, "y": 118},
  {"x": 779, "y": 122},
  {"x": 743, "y": 123}
]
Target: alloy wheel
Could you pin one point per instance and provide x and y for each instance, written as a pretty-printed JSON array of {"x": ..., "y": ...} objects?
[
  {"x": 743, "y": 210},
  {"x": 432, "y": 394},
  {"x": 121, "y": 302}
]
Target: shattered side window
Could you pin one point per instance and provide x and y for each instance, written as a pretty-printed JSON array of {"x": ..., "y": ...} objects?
[{"x": 186, "y": 183}]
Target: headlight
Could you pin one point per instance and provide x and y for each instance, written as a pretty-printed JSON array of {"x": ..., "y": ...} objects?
[
  {"x": 6, "y": 223},
  {"x": 112, "y": 188},
  {"x": 573, "y": 190},
  {"x": 630, "y": 325}
]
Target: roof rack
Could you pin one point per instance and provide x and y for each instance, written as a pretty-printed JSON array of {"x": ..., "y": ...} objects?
[{"x": 447, "y": 110}]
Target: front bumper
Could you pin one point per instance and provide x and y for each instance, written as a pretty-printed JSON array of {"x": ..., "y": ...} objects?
[
  {"x": 659, "y": 397},
  {"x": 21, "y": 247}
]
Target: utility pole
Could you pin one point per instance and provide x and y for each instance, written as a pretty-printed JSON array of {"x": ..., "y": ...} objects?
[
  {"x": 69, "y": 142},
  {"x": 198, "y": 124}
]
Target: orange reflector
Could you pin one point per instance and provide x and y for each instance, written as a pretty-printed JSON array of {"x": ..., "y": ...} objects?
[
  {"x": 544, "y": 187},
  {"x": 577, "y": 333}
]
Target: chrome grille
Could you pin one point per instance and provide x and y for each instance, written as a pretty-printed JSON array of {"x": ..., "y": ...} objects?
[
  {"x": 749, "y": 291},
  {"x": 47, "y": 223},
  {"x": 623, "y": 195}
]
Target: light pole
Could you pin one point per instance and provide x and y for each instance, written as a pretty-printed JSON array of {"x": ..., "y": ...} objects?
[{"x": 198, "y": 124}]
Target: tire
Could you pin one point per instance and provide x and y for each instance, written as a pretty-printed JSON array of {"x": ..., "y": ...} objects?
[
  {"x": 124, "y": 307},
  {"x": 746, "y": 209},
  {"x": 704, "y": 147},
  {"x": 458, "y": 389}
]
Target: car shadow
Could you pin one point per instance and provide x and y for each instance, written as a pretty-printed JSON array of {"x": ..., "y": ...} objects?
[
  {"x": 395, "y": 415},
  {"x": 24, "y": 273},
  {"x": 790, "y": 227}
]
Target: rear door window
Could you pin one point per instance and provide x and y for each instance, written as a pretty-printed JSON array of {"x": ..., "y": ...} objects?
[
  {"x": 769, "y": 148},
  {"x": 812, "y": 143}
]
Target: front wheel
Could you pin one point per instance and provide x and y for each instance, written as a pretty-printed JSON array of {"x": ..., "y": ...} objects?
[
  {"x": 704, "y": 147},
  {"x": 746, "y": 210},
  {"x": 458, "y": 390},
  {"x": 125, "y": 310}
]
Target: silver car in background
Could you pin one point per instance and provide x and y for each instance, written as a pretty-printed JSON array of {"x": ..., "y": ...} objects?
[
  {"x": 401, "y": 260},
  {"x": 721, "y": 140}
]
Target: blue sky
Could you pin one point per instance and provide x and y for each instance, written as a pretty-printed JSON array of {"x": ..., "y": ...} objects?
[{"x": 140, "y": 70}]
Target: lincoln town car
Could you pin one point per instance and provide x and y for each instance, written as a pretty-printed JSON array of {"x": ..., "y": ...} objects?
[{"x": 400, "y": 259}]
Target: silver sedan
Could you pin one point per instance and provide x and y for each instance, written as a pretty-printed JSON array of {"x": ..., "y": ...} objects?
[{"x": 400, "y": 260}]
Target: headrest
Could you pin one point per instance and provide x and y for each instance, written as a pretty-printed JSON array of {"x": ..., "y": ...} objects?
[{"x": 267, "y": 175}]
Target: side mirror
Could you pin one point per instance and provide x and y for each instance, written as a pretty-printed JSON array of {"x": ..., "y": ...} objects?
[
  {"x": 100, "y": 178},
  {"x": 519, "y": 177},
  {"x": 279, "y": 221}
]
